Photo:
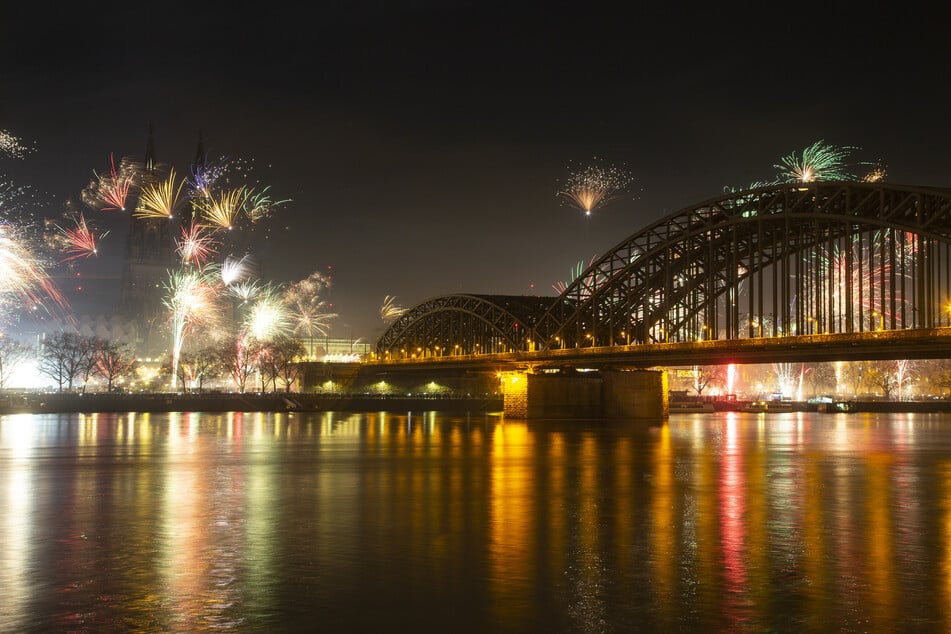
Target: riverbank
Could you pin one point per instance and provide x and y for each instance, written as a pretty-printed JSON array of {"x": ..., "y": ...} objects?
[{"x": 235, "y": 402}]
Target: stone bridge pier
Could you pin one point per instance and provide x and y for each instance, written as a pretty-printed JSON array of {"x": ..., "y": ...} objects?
[{"x": 610, "y": 394}]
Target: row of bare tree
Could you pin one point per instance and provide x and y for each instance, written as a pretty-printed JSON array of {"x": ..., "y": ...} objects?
[{"x": 71, "y": 360}]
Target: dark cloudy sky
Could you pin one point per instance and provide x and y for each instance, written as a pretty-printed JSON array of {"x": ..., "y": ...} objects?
[{"x": 423, "y": 142}]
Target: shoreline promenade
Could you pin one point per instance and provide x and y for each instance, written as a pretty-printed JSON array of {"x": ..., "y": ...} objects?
[{"x": 240, "y": 402}]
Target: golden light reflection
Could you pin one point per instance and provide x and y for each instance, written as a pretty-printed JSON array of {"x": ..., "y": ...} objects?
[
  {"x": 511, "y": 568},
  {"x": 731, "y": 491},
  {"x": 663, "y": 557},
  {"x": 883, "y": 592},
  {"x": 585, "y": 574},
  {"x": 945, "y": 496},
  {"x": 815, "y": 545},
  {"x": 17, "y": 442}
]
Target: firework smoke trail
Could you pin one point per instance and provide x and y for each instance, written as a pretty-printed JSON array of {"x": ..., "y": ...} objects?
[
  {"x": 390, "y": 311},
  {"x": 222, "y": 210},
  {"x": 818, "y": 162},
  {"x": 80, "y": 240},
  {"x": 160, "y": 200},
  {"x": 594, "y": 186},
  {"x": 195, "y": 246},
  {"x": 191, "y": 298}
]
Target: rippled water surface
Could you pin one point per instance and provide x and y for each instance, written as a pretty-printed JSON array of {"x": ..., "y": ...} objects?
[{"x": 424, "y": 522}]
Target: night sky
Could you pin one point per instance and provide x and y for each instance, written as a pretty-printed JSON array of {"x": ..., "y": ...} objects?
[{"x": 422, "y": 143}]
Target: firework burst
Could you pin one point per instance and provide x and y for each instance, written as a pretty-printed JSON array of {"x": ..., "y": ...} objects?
[
  {"x": 594, "y": 186},
  {"x": 818, "y": 162},
  {"x": 161, "y": 199},
  {"x": 267, "y": 317},
  {"x": 233, "y": 270},
  {"x": 306, "y": 309},
  {"x": 80, "y": 240},
  {"x": 876, "y": 175},
  {"x": 222, "y": 210},
  {"x": 109, "y": 193},
  {"x": 192, "y": 299},
  {"x": 12, "y": 146},
  {"x": 260, "y": 205},
  {"x": 576, "y": 272},
  {"x": 205, "y": 177},
  {"x": 195, "y": 246},
  {"x": 24, "y": 281},
  {"x": 390, "y": 311}
]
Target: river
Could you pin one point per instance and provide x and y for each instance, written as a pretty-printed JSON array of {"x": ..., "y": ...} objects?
[{"x": 372, "y": 522}]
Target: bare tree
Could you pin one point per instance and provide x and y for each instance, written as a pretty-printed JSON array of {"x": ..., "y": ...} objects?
[
  {"x": 265, "y": 362},
  {"x": 114, "y": 362},
  {"x": 707, "y": 376},
  {"x": 92, "y": 349},
  {"x": 65, "y": 357},
  {"x": 820, "y": 374},
  {"x": 197, "y": 367},
  {"x": 238, "y": 361},
  {"x": 286, "y": 354},
  {"x": 937, "y": 373},
  {"x": 12, "y": 354}
]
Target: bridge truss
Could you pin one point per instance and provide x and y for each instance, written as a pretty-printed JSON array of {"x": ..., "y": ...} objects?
[{"x": 777, "y": 261}]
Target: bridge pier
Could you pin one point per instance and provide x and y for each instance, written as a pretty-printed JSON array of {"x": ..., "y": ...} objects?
[
  {"x": 630, "y": 395},
  {"x": 635, "y": 394}
]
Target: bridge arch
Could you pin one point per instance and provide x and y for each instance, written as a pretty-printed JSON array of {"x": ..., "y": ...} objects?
[
  {"x": 462, "y": 325},
  {"x": 826, "y": 257}
]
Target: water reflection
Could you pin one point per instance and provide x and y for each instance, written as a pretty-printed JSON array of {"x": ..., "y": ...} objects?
[{"x": 342, "y": 522}]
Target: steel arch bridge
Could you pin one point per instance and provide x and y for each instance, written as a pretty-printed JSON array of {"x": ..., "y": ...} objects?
[{"x": 776, "y": 261}]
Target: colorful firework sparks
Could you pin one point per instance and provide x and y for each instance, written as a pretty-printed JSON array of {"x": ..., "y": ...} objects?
[
  {"x": 109, "y": 193},
  {"x": 222, "y": 210},
  {"x": 307, "y": 320},
  {"x": 267, "y": 317},
  {"x": 80, "y": 239},
  {"x": 205, "y": 177},
  {"x": 24, "y": 281},
  {"x": 247, "y": 291},
  {"x": 12, "y": 146},
  {"x": 593, "y": 186},
  {"x": 390, "y": 311},
  {"x": 13, "y": 200},
  {"x": 576, "y": 272},
  {"x": 866, "y": 290},
  {"x": 260, "y": 205},
  {"x": 306, "y": 309},
  {"x": 818, "y": 162},
  {"x": 234, "y": 270},
  {"x": 877, "y": 174},
  {"x": 161, "y": 199},
  {"x": 191, "y": 298},
  {"x": 195, "y": 246}
]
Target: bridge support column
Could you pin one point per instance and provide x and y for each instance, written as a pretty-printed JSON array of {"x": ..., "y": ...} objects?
[
  {"x": 635, "y": 394},
  {"x": 514, "y": 387}
]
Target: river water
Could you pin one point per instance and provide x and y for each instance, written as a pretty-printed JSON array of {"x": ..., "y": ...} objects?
[{"x": 378, "y": 522}]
